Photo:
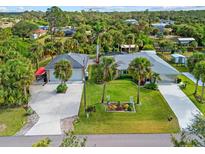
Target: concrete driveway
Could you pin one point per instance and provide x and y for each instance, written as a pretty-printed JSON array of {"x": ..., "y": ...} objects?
[
  {"x": 181, "y": 105},
  {"x": 52, "y": 107}
]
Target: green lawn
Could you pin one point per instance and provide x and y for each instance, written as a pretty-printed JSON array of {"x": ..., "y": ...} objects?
[
  {"x": 189, "y": 90},
  {"x": 151, "y": 117},
  {"x": 11, "y": 121}
]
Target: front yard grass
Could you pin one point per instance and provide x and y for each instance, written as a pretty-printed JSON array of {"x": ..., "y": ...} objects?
[
  {"x": 151, "y": 116},
  {"x": 11, "y": 121},
  {"x": 189, "y": 90}
]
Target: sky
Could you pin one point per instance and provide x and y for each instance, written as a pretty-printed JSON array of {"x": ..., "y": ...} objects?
[{"x": 100, "y": 8}]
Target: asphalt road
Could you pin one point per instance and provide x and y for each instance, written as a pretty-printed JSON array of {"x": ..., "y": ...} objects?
[{"x": 118, "y": 140}]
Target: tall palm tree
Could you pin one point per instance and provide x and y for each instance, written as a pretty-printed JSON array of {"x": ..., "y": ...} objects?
[
  {"x": 36, "y": 53},
  {"x": 197, "y": 74},
  {"x": 139, "y": 68},
  {"x": 202, "y": 72},
  {"x": 109, "y": 71}
]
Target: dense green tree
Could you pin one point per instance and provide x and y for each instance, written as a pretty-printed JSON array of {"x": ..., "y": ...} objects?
[
  {"x": 193, "y": 136},
  {"x": 16, "y": 76},
  {"x": 36, "y": 53},
  {"x": 195, "y": 58},
  {"x": 24, "y": 29}
]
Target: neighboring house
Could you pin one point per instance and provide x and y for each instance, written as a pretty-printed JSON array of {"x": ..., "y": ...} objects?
[
  {"x": 38, "y": 33},
  {"x": 160, "y": 26},
  {"x": 166, "y": 71},
  {"x": 128, "y": 48},
  {"x": 168, "y": 22},
  {"x": 178, "y": 59},
  {"x": 78, "y": 62},
  {"x": 132, "y": 21},
  {"x": 43, "y": 27},
  {"x": 185, "y": 41},
  {"x": 68, "y": 31}
]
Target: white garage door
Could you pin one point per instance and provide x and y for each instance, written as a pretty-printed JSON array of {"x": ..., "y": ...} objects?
[
  {"x": 168, "y": 78},
  {"x": 76, "y": 76}
]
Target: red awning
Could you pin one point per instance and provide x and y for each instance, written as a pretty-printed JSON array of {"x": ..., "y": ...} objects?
[{"x": 40, "y": 71}]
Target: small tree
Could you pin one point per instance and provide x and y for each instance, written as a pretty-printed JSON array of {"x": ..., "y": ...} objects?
[
  {"x": 42, "y": 143},
  {"x": 139, "y": 68},
  {"x": 63, "y": 70},
  {"x": 194, "y": 135},
  {"x": 73, "y": 141}
]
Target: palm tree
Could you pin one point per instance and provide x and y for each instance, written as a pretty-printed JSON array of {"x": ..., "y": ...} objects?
[
  {"x": 139, "y": 68},
  {"x": 63, "y": 70},
  {"x": 109, "y": 71},
  {"x": 36, "y": 53},
  {"x": 155, "y": 77},
  {"x": 202, "y": 72},
  {"x": 50, "y": 49},
  {"x": 130, "y": 40},
  {"x": 197, "y": 73}
]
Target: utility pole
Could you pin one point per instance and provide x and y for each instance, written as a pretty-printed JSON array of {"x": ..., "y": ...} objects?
[{"x": 84, "y": 85}]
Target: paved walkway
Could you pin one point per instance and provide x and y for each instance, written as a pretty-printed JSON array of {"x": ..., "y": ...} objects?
[
  {"x": 52, "y": 107},
  {"x": 181, "y": 105},
  {"x": 117, "y": 140},
  {"x": 191, "y": 77}
]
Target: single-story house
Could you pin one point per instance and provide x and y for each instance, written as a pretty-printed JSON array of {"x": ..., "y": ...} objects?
[
  {"x": 38, "y": 33},
  {"x": 166, "y": 71},
  {"x": 160, "y": 26},
  {"x": 185, "y": 41},
  {"x": 78, "y": 62},
  {"x": 43, "y": 27},
  {"x": 128, "y": 47},
  {"x": 168, "y": 22},
  {"x": 68, "y": 31},
  {"x": 178, "y": 59},
  {"x": 132, "y": 21}
]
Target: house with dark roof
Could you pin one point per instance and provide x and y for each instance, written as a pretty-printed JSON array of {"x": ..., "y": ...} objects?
[
  {"x": 78, "y": 63},
  {"x": 166, "y": 71}
]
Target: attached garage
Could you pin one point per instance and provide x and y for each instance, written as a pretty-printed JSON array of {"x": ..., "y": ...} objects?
[{"x": 78, "y": 62}]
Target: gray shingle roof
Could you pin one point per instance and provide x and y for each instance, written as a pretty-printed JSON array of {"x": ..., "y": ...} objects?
[
  {"x": 158, "y": 64},
  {"x": 75, "y": 59}
]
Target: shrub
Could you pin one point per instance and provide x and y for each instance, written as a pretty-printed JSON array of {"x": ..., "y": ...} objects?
[
  {"x": 152, "y": 86},
  {"x": 125, "y": 76},
  {"x": 148, "y": 47},
  {"x": 91, "y": 109},
  {"x": 29, "y": 111},
  {"x": 42, "y": 143},
  {"x": 62, "y": 88},
  {"x": 129, "y": 108}
]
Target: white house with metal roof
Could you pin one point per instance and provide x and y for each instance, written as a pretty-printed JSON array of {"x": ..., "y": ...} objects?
[
  {"x": 178, "y": 59},
  {"x": 166, "y": 71},
  {"x": 78, "y": 63},
  {"x": 185, "y": 40}
]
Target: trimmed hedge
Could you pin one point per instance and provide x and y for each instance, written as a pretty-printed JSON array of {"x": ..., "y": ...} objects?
[{"x": 61, "y": 88}]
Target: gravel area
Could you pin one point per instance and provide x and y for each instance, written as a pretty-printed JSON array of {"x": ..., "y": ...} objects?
[{"x": 67, "y": 124}]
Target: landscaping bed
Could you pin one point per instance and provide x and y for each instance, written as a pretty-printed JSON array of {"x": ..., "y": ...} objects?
[
  {"x": 150, "y": 117},
  {"x": 119, "y": 107}
]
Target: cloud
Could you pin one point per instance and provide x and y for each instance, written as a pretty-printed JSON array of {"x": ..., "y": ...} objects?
[{"x": 3, "y": 9}]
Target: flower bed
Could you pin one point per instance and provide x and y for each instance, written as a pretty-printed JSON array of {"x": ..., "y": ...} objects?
[{"x": 120, "y": 107}]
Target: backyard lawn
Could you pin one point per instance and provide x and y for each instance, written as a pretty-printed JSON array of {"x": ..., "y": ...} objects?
[
  {"x": 189, "y": 90},
  {"x": 151, "y": 116},
  {"x": 11, "y": 121}
]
